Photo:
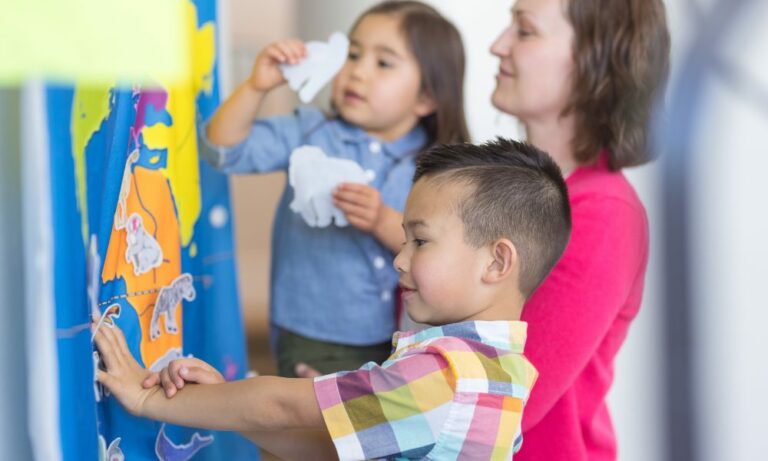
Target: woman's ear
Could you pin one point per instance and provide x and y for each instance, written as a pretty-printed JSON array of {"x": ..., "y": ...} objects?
[
  {"x": 504, "y": 261},
  {"x": 425, "y": 105}
]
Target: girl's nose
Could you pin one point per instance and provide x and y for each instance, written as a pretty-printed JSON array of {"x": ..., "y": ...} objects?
[{"x": 400, "y": 261}]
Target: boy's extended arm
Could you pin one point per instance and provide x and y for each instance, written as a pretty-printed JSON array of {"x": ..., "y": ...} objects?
[{"x": 280, "y": 414}]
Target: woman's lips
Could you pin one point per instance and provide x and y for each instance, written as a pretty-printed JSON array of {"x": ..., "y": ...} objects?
[{"x": 503, "y": 73}]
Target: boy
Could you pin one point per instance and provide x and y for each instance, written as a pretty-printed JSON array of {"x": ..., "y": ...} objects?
[{"x": 484, "y": 225}]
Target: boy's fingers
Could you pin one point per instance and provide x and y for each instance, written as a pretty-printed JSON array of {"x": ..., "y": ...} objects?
[
  {"x": 105, "y": 348},
  {"x": 173, "y": 371},
  {"x": 200, "y": 375},
  {"x": 168, "y": 386},
  {"x": 151, "y": 380},
  {"x": 106, "y": 379}
]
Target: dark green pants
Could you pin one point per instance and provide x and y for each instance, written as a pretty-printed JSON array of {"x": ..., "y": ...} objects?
[{"x": 322, "y": 356}]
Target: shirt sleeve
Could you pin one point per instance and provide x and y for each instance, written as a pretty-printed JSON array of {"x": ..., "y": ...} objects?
[
  {"x": 397, "y": 409},
  {"x": 267, "y": 147},
  {"x": 571, "y": 313}
]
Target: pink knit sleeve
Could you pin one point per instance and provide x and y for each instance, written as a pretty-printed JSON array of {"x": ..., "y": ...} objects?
[{"x": 570, "y": 315}]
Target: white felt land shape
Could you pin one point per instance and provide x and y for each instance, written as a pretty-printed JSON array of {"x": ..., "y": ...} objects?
[
  {"x": 313, "y": 176},
  {"x": 323, "y": 61}
]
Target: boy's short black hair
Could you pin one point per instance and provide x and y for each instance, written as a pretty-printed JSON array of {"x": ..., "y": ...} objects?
[{"x": 517, "y": 192}]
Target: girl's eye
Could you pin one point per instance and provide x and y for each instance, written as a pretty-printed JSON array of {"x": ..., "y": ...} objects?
[
  {"x": 384, "y": 64},
  {"x": 352, "y": 56}
]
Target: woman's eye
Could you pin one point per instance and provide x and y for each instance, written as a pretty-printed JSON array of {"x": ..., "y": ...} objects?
[{"x": 384, "y": 64}]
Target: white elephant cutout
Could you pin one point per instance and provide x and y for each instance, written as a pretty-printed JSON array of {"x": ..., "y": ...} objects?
[
  {"x": 323, "y": 61},
  {"x": 313, "y": 176}
]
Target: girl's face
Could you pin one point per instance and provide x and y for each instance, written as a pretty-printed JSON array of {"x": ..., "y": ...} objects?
[
  {"x": 379, "y": 87},
  {"x": 536, "y": 62}
]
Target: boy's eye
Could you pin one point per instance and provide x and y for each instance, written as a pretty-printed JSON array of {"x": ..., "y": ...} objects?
[
  {"x": 353, "y": 55},
  {"x": 419, "y": 242}
]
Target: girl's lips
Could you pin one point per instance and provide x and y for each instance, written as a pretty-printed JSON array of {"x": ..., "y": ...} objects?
[{"x": 352, "y": 96}]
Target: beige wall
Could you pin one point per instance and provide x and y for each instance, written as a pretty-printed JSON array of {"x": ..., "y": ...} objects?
[{"x": 250, "y": 25}]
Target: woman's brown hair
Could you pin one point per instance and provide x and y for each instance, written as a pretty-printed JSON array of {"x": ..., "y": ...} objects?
[
  {"x": 621, "y": 56},
  {"x": 437, "y": 46}
]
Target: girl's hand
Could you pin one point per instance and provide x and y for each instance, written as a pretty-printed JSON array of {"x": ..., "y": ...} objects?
[
  {"x": 361, "y": 205},
  {"x": 180, "y": 371},
  {"x": 124, "y": 375},
  {"x": 266, "y": 73}
]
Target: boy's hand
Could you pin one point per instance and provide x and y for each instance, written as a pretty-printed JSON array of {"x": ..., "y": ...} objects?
[
  {"x": 124, "y": 375},
  {"x": 361, "y": 205},
  {"x": 173, "y": 377},
  {"x": 266, "y": 73}
]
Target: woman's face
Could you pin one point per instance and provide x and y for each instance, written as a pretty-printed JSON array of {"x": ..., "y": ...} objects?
[{"x": 536, "y": 61}]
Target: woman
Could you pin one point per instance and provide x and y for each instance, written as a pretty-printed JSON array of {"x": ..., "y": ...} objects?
[{"x": 582, "y": 76}]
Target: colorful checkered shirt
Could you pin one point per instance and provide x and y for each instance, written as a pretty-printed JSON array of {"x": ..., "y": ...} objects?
[{"x": 446, "y": 393}]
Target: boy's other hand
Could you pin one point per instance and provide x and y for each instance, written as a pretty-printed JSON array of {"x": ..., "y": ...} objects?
[
  {"x": 180, "y": 371},
  {"x": 266, "y": 73},
  {"x": 361, "y": 205},
  {"x": 123, "y": 375}
]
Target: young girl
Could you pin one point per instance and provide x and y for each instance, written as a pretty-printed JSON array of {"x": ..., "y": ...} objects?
[{"x": 399, "y": 92}]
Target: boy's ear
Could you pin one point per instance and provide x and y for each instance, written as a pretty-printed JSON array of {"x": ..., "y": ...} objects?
[
  {"x": 504, "y": 261},
  {"x": 425, "y": 105}
]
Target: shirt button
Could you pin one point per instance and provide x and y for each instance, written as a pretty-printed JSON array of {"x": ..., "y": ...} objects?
[
  {"x": 386, "y": 295},
  {"x": 370, "y": 175},
  {"x": 379, "y": 262},
  {"x": 374, "y": 147}
]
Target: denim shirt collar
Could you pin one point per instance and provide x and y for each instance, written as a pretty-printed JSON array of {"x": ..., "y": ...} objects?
[{"x": 409, "y": 144}]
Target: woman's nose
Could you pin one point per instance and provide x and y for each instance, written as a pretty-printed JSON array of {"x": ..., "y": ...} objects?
[{"x": 500, "y": 46}]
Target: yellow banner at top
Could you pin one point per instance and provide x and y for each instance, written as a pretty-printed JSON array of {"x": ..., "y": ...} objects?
[{"x": 94, "y": 41}]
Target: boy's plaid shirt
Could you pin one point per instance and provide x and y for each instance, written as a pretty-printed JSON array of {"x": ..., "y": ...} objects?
[{"x": 450, "y": 392}]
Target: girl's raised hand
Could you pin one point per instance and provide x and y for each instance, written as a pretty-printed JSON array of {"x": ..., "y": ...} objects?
[
  {"x": 361, "y": 205},
  {"x": 266, "y": 73},
  {"x": 180, "y": 371}
]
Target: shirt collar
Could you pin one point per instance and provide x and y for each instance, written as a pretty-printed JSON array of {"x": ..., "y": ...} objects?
[
  {"x": 500, "y": 334},
  {"x": 408, "y": 144}
]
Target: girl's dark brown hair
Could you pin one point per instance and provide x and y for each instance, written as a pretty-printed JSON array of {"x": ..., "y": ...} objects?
[
  {"x": 621, "y": 56},
  {"x": 437, "y": 46}
]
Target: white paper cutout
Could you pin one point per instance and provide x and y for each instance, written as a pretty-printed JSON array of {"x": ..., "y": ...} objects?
[
  {"x": 323, "y": 61},
  {"x": 92, "y": 269},
  {"x": 142, "y": 250},
  {"x": 125, "y": 189},
  {"x": 111, "y": 453},
  {"x": 170, "y": 296},
  {"x": 313, "y": 176}
]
